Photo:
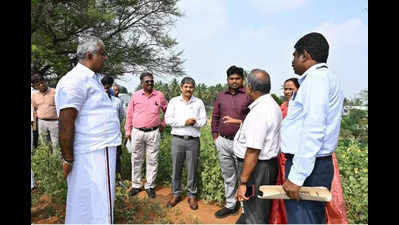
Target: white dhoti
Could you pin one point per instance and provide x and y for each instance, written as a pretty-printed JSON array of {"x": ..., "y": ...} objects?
[{"x": 91, "y": 188}]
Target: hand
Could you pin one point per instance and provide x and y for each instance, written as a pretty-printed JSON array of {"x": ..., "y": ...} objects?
[
  {"x": 240, "y": 194},
  {"x": 214, "y": 140},
  {"x": 230, "y": 120},
  {"x": 190, "y": 122},
  {"x": 291, "y": 189},
  {"x": 128, "y": 137},
  {"x": 67, "y": 167},
  {"x": 161, "y": 127}
]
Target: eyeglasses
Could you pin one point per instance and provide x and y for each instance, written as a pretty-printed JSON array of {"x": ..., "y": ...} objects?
[{"x": 149, "y": 81}]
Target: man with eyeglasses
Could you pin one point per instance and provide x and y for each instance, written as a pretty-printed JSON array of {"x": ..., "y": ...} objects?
[
  {"x": 142, "y": 127},
  {"x": 43, "y": 104}
]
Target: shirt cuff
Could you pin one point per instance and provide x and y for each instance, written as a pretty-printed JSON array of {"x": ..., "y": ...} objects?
[
  {"x": 296, "y": 177},
  {"x": 128, "y": 131},
  {"x": 215, "y": 135}
]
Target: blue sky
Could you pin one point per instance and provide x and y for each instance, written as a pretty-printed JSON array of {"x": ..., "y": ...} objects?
[{"x": 215, "y": 34}]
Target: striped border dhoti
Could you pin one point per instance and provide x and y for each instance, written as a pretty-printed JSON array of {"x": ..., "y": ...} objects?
[{"x": 91, "y": 188}]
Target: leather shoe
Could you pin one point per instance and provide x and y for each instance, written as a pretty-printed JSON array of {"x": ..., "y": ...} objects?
[
  {"x": 226, "y": 211},
  {"x": 150, "y": 192},
  {"x": 173, "y": 201},
  {"x": 193, "y": 203},
  {"x": 134, "y": 191}
]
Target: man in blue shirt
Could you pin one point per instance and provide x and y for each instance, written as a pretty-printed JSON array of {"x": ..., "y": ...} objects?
[{"x": 309, "y": 133}]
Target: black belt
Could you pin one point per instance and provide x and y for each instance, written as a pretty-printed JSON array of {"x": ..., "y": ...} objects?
[
  {"x": 48, "y": 119},
  {"x": 185, "y": 137},
  {"x": 290, "y": 156},
  {"x": 148, "y": 129},
  {"x": 228, "y": 137}
]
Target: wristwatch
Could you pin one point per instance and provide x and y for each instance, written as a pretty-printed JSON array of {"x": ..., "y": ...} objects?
[{"x": 244, "y": 183}]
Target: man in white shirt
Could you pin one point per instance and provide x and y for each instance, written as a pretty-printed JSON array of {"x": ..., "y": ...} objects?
[
  {"x": 256, "y": 145},
  {"x": 186, "y": 115},
  {"x": 89, "y": 134},
  {"x": 309, "y": 132}
]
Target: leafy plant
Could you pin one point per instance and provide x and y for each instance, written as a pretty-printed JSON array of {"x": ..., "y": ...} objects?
[{"x": 353, "y": 166}]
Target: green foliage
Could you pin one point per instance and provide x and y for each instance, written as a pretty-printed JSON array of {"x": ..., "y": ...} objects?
[
  {"x": 48, "y": 174},
  {"x": 277, "y": 99},
  {"x": 135, "y": 34},
  {"x": 210, "y": 182},
  {"x": 353, "y": 167},
  {"x": 354, "y": 126}
]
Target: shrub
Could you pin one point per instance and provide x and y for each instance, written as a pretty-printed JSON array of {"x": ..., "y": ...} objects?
[
  {"x": 48, "y": 174},
  {"x": 353, "y": 167}
]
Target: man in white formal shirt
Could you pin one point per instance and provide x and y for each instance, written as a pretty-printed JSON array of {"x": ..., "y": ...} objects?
[
  {"x": 256, "y": 145},
  {"x": 186, "y": 115},
  {"x": 89, "y": 134},
  {"x": 309, "y": 132}
]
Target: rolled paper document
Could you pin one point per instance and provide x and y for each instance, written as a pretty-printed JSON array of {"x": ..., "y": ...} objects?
[{"x": 321, "y": 194}]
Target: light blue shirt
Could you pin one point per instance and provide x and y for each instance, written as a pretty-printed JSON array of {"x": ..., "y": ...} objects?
[{"x": 311, "y": 127}]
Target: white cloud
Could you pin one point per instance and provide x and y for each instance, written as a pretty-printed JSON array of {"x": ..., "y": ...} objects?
[{"x": 276, "y": 6}]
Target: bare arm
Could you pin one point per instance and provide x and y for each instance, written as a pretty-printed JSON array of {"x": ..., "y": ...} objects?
[
  {"x": 250, "y": 161},
  {"x": 66, "y": 126}
]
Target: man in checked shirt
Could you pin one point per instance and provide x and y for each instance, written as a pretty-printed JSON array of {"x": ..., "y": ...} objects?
[{"x": 230, "y": 108}]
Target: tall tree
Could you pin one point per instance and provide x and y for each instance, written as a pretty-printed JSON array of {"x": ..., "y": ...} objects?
[{"x": 135, "y": 33}]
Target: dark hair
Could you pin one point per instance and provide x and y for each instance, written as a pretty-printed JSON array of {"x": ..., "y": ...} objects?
[
  {"x": 187, "y": 80},
  {"x": 235, "y": 70},
  {"x": 145, "y": 74},
  {"x": 294, "y": 80},
  {"x": 107, "y": 80},
  {"x": 315, "y": 44},
  {"x": 36, "y": 77},
  {"x": 259, "y": 84}
]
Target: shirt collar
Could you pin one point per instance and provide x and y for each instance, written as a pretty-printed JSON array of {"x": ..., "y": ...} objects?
[
  {"x": 254, "y": 103},
  {"x": 310, "y": 69},
  {"x": 86, "y": 69},
  {"x": 227, "y": 91},
  {"x": 192, "y": 99},
  {"x": 143, "y": 93}
]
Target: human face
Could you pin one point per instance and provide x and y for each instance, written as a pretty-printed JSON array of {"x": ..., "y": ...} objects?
[
  {"x": 298, "y": 63},
  {"x": 116, "y": 90},
  {"x": 289, "y": 88},
  {"x": 107, "y": 88},
  {"x": 148, "y": 84},
  {"x": 187, "y": 90},
  {"x": 40, "y": 85},
  {"x": 99, "y": 59},
  {"x": 235, "y": 81}
]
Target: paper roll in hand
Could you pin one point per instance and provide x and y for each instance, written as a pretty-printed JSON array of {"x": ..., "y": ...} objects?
[{"x": 321, "y": 194}]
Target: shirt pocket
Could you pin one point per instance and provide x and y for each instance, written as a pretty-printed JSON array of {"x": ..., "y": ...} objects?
[{"x": 154, "y": 106}]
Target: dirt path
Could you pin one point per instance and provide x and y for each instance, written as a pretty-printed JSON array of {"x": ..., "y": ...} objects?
[
  {"x": 180, "y": 214},
  {"x": 204, "y": 214}
]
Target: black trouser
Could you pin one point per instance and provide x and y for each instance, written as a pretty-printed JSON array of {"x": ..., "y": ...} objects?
[
  {"x": 36, "y": 135},
  {"x": 118, "y": 159},
  {"x": 256, "y": 210}
]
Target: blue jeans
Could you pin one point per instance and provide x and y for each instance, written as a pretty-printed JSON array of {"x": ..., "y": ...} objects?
[{"x": 310, "y": 212}]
